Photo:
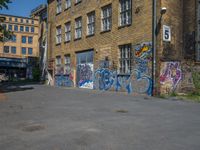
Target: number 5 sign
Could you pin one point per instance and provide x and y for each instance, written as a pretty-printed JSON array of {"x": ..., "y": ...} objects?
[{"x": 166, "y": 33}]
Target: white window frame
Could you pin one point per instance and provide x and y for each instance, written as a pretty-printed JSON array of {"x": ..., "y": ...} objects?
[
  {"x": 67, "y": 60},
  {"x": 78, "y": 28},
  {"x": 58, "y": 60},
  {"x": 68, "y": 31},
  {"x": 59, "y": 6},
  {"x": 58, "y": 34},
  {"x": 125, "y": 16},
  {"x": 125, "y": 59},
  {"x": 91, "y": 23},
  {"x": 68, "y": 4},
  {"x": 106, "y": 18}
]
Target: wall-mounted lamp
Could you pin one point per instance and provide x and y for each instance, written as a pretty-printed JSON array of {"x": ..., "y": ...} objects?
[{"x": 163, "y": 10}]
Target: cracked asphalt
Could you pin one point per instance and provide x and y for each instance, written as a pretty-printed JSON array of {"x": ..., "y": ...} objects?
[{"x": 38, "y": 117}]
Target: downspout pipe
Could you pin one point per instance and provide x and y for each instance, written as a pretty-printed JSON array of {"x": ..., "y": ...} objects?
[{"x": 154, "y": 26}]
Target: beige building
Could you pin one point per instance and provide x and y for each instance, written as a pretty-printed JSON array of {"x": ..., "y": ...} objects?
[
  {"x": 24, "y": 42},
  {"x": 16, "y": 53}
]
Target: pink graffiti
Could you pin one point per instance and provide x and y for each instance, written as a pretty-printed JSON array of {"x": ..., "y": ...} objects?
[{"x": 172, "y": 72}]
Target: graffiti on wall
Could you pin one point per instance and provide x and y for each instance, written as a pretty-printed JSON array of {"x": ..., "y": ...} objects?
[
  {"x": 139, "y": 81},
  {"x": 64, "y": 76},
  {"x": 85, "y": 75},
  {"x": 170, "y": 76}
]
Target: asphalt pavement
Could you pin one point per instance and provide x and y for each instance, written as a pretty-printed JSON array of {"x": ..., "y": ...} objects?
[{"x": 38, "y": 117}]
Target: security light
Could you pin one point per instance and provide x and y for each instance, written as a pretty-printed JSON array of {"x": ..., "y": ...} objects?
[{"x": 163, "y": 10}]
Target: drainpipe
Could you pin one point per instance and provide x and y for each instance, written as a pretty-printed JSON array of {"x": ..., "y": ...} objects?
[{"x": 154, "y": 22}]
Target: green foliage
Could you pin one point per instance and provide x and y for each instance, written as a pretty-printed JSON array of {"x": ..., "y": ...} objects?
[
  {"x": 36, "y": 74},
  {"x": 4, "y": 34},
  {"x": 4, "y": 3},
  {"x": 196, "y": 79}
]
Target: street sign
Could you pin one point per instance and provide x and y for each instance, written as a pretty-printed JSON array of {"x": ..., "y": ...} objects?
[{"x": 166, "y": 33}]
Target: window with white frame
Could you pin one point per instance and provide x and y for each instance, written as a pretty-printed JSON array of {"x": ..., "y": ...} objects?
[
  {"x": 125, "y": 59},
  {"x": 67, "y": 60},
  {"x": 67, "y": 31},
  {"x": 78, "y": 28},
  {"x": 58, "y": 60},
  {"x": 91, "y": 23},
  {"x": 125, "y": 12},
  {"x": 68, "y": 4},
  {"x": 58, "y": 34},
  {"x": 106, "y": 18},
  {"x": 59, "y": 6},
  {"x": 77, "y": 1}
]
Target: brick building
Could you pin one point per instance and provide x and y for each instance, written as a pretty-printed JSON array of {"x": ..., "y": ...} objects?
[
  {"x": 108, "y": 44},
  {"x": 18, "y": 55}
]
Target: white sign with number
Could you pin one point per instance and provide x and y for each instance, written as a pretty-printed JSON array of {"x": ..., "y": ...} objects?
[{"x": 166, "y": 33}]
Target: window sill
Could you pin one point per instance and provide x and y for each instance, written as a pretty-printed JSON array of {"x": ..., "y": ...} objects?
[
  {"x": 77, "y": 39},
  {"x": 58, "y": 13},
  {"x": 67, "y": 42},
  {"x": 105, "y": 31},
  {"x": 77, "y": 3},
  {"x": 91, "y": 35},
  {"x": 57, "y": 44},
  {"x": 67, "y": 8},
  {"x": 123, "y": 26}
]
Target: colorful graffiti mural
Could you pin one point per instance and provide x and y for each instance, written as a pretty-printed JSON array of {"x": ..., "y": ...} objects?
[
  {"x": 139, "y": 81},
  {"x": 64, "y": 76},
  {"x": 136, "y": 82},
  {"x": 170, "y": 76},
  {"x": 85, "y": 75}
]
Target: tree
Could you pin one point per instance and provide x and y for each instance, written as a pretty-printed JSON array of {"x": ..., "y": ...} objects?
[{"x": 4, "y": 34}]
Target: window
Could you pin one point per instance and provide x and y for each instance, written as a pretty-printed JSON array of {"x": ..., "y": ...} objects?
[
  {"x": 16, "y": 27},
  {"x": 125, "y": 12},
  {"x": 32, "y": 29},
  {"x": 67, "y": 60},
  {"x": 30, "y": 51},
  {"x": 67, "y": 64},
  {"x": 6, "y": 49},
  {"x": 22, "y": 20},
  {"x": 67, "y": 31},
  {"x": 59, "y": 6},
  {"x": 13, "y": 39},
  {"x": 10, "y": 27},
  {"x": 58, "y": 60},
  {"x": 27, "y": 29},
  {"x": 4, "y": 26},
  {"x": 22, "y": 28},
  {"x": 10, "y": 19},
  {"x": 16, "y": 20},
  {"x": 27, "y": 21},
  {"x": 78, "y": 28},
  {"x": 106, "y": 18},
  {"x": 30, "y": 40},
  {"x": 125, "y": 59},
  {"x": 23, "y": 39},
  {"x": 24, "y": 50},
  {"x": 13, "y": 50},
  {"x": 32, "y": 21},
  {"x": 58, "y": 35},
  {"x": 91, "y": 23},
  {"x": 68, "y": 4},
  {"x": 77, "y": 1}
]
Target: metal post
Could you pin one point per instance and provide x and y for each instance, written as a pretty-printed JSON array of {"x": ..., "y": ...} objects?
[{"x": 154, "y": 22}]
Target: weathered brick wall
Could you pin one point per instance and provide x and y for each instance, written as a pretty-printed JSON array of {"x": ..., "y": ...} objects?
[{"x": 104, "y": 44}]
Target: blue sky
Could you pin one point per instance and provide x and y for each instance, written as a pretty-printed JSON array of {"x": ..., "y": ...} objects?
[{"x": 22, "y": 7}]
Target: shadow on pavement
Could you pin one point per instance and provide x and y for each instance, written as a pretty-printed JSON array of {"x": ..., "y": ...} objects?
[{"x": 15, "y": 87}]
